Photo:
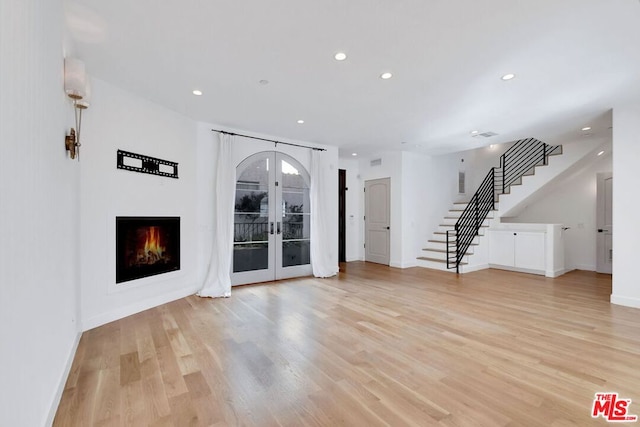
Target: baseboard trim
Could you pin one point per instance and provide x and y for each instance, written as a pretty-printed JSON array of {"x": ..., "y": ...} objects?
[
  {"x": 585, "y": 267},
  {"x": 63, "y": 380},
  {"x": 104, "y": 318},
  {"x": 625, "y": 301},
  {"x": 402, "y": 264},
  {"x": 517, "y": 269},
  {"x": 472, "y": 268},
  {"x": 557, "y": 273}
]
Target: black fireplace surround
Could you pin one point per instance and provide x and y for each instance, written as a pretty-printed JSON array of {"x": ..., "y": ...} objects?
[{"x": 146, "y": 246}]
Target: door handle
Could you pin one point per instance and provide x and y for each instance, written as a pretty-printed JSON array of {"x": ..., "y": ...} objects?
[
  {"x": 388, "y": 228},
  {"x": 271, "y": 228},
  {"x": 600, "y": 230},
  {"x": 278, "y": 228}
]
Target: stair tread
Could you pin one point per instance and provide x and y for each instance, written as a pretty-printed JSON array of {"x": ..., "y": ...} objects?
[
  {"x": 440, "y": 251},
  {"x": 441, "y": 261},
  {"x": 445, "y": 233},
  {"x": 442, "y": 241},
  {"x": 453, "y": 225},
  {"x": 457, "y": 217}
]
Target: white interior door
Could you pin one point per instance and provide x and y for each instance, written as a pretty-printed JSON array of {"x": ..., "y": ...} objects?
[
  {"x": 377, "y": 220},
  {"x": 272, "y": 220},
  {"x": 604, "y": 222}
]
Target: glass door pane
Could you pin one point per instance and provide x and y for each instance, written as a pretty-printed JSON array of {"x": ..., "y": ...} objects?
[
  {"x": 295, "y": 215},
  {"x": 272, "y": 228},
  {"x": 252, "y": 224}
]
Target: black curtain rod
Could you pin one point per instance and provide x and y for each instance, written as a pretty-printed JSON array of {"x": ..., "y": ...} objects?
[{"x": 269, "y": 140}]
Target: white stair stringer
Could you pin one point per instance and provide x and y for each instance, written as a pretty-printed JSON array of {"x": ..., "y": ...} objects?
[
  {"x": 518, "y": 194},
  {"x": 434, "y": 253}
]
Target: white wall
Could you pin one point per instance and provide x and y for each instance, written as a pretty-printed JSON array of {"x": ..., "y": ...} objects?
[
  {"x": 120, "y": 120},
  {"x": 38, "y": 215},
  {"x": 571, "y": 202},
  {"x": 478, "y": 162},
  {"x": 430, "y": 186},
  {"x": 391, "y": 167},
  {"x": 422, "y": 191},
  {"x": 244, "y": 147},
  {"x": 626, "y": 230}
]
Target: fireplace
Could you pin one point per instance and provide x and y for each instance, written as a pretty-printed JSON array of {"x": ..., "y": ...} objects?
[{"x": 146, "y": 246}]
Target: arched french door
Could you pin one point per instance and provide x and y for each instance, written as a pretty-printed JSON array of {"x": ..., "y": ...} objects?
[{"x": 272, "y": 219}]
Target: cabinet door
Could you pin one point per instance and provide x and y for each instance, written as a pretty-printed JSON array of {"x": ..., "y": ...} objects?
[
  {"x": 529, "y": 250},
  {"x": 501, "y": 248}
]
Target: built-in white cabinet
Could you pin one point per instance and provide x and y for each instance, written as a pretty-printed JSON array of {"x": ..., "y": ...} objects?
[
  {"x": 531, "y": 248},
  {"x": 520, "y": 249}
]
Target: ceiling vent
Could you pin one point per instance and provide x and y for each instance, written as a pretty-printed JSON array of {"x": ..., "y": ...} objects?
[
  {"x": 485, "y": 134},
  {"x": 376, "y": 162}
]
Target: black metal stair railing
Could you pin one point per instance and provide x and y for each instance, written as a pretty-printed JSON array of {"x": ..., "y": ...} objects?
[
  {"x": 519, "y": 160},
  {"x": 522, "y": 157},
  {"x": 466, "y": 229}
]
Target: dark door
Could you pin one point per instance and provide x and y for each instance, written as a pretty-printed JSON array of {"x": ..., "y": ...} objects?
[{"x": 342, "y": 196}]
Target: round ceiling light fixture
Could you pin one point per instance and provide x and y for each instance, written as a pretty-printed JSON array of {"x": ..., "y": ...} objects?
[
  {"x": 354, "y": 154},
  {"x": 386, "y": 76},
  {"x": 197, "y": 92},
  {"x": 300, "y": 121},
  {"x": 340, "y": 56},
  {"x": 474, "y": 132},
  {"x": 601, "y": 153},
  {"x": 508, "y": 76},
  {"x": 586, "y": 128}
]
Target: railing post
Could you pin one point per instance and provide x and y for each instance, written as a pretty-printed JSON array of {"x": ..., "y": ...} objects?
[
  {"x": 477, "y": 215},
  {"x": 457, "y": 249},
  {"x": 544, "y": 153},
  {"x": 493, "y": 189},
  {"x": 504, "y": 171},
  {"x": 447, "y": 248}
]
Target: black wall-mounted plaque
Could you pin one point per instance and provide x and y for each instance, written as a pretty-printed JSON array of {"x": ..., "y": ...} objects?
[{"x": 145, "y": 164}]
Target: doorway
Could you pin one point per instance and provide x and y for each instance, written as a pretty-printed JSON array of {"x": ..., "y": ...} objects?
[
  {"x": 342, "y": 215},
  {"x": 272, "y": 221},
  {"x": 604, "y": 222},
  {"x": 377, "y": 220}
]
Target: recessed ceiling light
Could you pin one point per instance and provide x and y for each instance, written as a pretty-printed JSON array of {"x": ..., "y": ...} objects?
[
  {"x": 586, "y": 128},
  {"x": 475, "y": 132},
  {"x": 197, "y": 92},
  {"x": 601, "y": 153},
  {"x": 300, "y": 122},
  {"x": 386, "y": 76},
  {"x": 354, "y": 154},
  {"x": 340, "y": 56},
  {"x": 508, "y": 76}
]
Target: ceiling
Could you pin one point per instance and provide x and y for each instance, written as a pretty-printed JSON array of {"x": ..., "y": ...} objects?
[{"x": 573, "y": 60}]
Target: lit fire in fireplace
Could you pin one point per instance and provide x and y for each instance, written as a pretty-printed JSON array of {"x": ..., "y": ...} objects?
[
  {"x": 152, "y": 251},
  {"x": 146, "y": 246}
]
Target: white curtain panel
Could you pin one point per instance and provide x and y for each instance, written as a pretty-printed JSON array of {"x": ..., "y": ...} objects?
[
  {"x": 217, "y": 282},
  {"x": 321, "y": 217}
]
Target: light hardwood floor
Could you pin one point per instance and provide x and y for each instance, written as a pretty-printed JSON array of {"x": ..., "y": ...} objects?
[{"x": 374, "y": 346}]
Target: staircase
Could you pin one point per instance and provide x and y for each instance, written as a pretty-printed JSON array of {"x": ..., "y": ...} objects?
[
  {"x": 434, "y": 254},
  {"x": 457, "y": 243}
]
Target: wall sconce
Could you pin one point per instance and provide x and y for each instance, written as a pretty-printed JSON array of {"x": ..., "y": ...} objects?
[{"x": 76, "y": 86}]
